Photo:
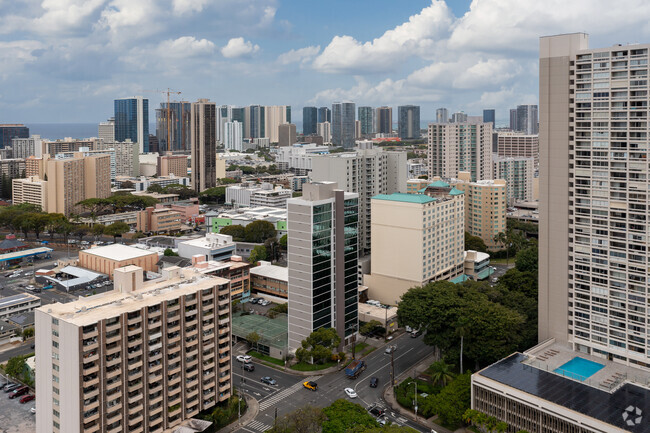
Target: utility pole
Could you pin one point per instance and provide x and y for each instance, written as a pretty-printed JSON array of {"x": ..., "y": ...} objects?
[{"x": 392, "y": 366}]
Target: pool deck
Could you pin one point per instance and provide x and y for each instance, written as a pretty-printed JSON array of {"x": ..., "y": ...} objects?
[{"x": 553, "y": 355}]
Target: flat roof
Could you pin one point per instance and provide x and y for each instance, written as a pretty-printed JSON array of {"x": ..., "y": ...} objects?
[
  {"x": 571, "y": 394},
  {"x": 8, "y": 301},
  {"x": 24, "y": 253},
  {"x": 118, "y": 252},
  {"x": 405, "y": 198},
  {"x": 271, "y": 271}
]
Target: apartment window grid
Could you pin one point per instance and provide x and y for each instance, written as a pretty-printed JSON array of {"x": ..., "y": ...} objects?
[{"x": 609, "y": 184}]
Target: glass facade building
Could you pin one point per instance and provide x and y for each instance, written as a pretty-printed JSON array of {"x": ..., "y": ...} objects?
[
  {"x": 366, "y": 117},
  {"x": 11, "y": 131},
  {"x": 408, "y": 122},
  {"x": 324, "y": 115},
  {"x": 132, "y": 121},
  {"x": 309, "y": 120},
  {"x": 489, "y": 116},
  {"x": 343, "y": 118},
  {"x": 179, "y": 118}
]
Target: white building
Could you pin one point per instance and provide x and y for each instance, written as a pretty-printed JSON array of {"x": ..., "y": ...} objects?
[
  {"x": 23, "y": 148},
  {"x": 142, "y": 183},
  {"x": 297, "y": 157},
  {"x": 126, "y": 156},
  {"x": 324, "y": 129},
  {"x": 232, "y": 135},
  {"x": 213, "y": 246},
  {"x": 416, "y": 169},
  {"x": 276, "y": 197},
  {"x": 106, "y": 131},
  {"x": 518, "y": 174},
  {"x": 16, "y": 304}
]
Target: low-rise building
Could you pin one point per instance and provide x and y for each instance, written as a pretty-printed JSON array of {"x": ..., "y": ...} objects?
[
  {"x": 142, "y": 183},
  {"x": 22, "y": 320},
  {"x": 477, "y": 265},
  {"x": 213, "y": 246},
  {"x": 7, "y": 331},
  {"x": 235, "y": 269},
  {"x": 244, "y": 216},
  {"x": 270, "y": 279},
  {"x": 172, "y": 165},
  {"x": 264, "y": 194},
  {"x": 18, "y": 304},
  {"x": 297, "y": 157},
  {"x": 387, "y": 316},
  {"x": 110, "y": 257},
  {"x": 160, "y": 220},
  {"x": 189, "y": 209}
]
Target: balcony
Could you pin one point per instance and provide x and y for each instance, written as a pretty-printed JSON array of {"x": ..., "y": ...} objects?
[
  {"x": 224, "y": 330},
  {"x": 224, "y": 350},
  {"x": 134, "y": 399},
  {"x": 133, "y": 421},
  {"x": 113, "y": 338},
  {"x": 224, "y": 321},
  {"x": 115, "y": 429},
  {"x": 93, "y": 428}
]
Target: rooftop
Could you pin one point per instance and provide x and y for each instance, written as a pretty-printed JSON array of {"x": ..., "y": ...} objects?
[
  {"x": 405, "y": 198},
  {"x": 118, "y": 252},
  {"x": 8, "y": 301},
  {"x": 22, "y": 319},
  {"x": 439, "y": 184},
  {"x": 271, "y": 271}
]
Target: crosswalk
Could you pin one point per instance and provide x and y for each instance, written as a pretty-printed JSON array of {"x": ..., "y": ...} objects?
[
  {"x": 275, "y": 398},
  {"x": 258, "y": 426}
]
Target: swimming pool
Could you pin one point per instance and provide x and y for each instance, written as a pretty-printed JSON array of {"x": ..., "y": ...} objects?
[{"x": 579, "y": 368}]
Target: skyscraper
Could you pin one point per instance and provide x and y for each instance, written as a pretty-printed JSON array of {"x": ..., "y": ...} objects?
[
  {"x": 325, "y": 131},
  {"x": 274, "y": 116},
  {"x": 132, "y": 121},
  {"x": 322, "y": 261},
  {"x": 309, "y": 120},
  {"x": 442, "y": 115},
  {"x": 254, "y": 123},
  {"x": 232, "y": 136},
  {"x": 343, "y": 117},
  {"x": 489, "y": 116},
  {"x": 408, "y": 122},
  {"x": 179, "y": 128},
  {"x": 8, "y": 131},
  {"x": 513, "y": 120},
  {"x": 527, "y": 119},
  {"x": 324, "y": 115},
  {"x": 286, "y": 134},
  {"x": 384, "y": 120},
  {"x": 203, "y": 145},
  {"x": 366, "y": 118},
  {"x": 106, "y": 130},
  {"x": 459, "y": 117}
]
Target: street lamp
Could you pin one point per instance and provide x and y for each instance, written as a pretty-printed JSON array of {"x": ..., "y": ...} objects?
[{"x": 415, "y": 405}]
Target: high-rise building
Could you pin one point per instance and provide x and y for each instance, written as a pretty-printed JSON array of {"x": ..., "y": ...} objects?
[
  {"x": 132, "y": 121},
  {"x": 287, "y": 134},
  {"x": 322, "y": 261},
  {"x": 408, "y": 122},
  {"x": 26, "y": 147},
  {"x": 106, "y": 130},
  {"x": 126, "y": 154},
  {"x": 32, "y": 190},
  {"x": 343, "y": 124},
  {"x": 357, "y": 129},
  {"x": 367, "y": 171},
  {"x": 254, "y": 124},
  {"x": 459, "y": 117},
  {"x": 593, "y": 255},
  {"x": 518, "y": 145},
  {"x": 309, "y": 120},
  {"x": 456, "y": 147},
  {"x": 384, "y": 120},
  {"x": 274, "y": 116},
  {"x": 416, "y": 239},
  {"x": 143, "y": 357},
  {"x": 490, "y": 116},
  {"x": 9, "y": 131},
  {"x": 232, "y": 135},
  {"x": 527, "y": 119},
  {"x": 325, "y": 131},
  {"x": 179, "y": 114},
  {"x": 442, "y": 115},
  {"x": 513, "y": 120},
  {"x": 172, "y": 165},
  {"x": 366, "y": 115},
  {"x": 324, "y": 115},
  {"x": 518, "y": 172},
  {"x": 203, "y": 145}
]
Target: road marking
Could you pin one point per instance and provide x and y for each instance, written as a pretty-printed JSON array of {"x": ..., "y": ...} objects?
[
  {"x": 258, "y": 425},
  {"x": 267, "y": 402},
  {"x": 377, "y": 370}
]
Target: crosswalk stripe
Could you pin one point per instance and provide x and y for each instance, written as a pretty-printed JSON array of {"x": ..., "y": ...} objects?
[
  {"x": 259, "y": 426},
  {"x": 275, "y": 398}
]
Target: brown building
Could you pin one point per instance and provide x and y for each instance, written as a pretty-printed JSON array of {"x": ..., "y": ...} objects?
[
  {"x": 203, "y": 145},
  {"x": 172, "y": 164},
  {"x": 35, "y": 166},
  {"x": 286, "y": 134},
  {"x": 106, "y": 259},
  {"x": 517, "y": 144},
  {"x": 236, "y": 270},
  {"x": 159, "y": 220},
  {"x": 270, "y": 279}
]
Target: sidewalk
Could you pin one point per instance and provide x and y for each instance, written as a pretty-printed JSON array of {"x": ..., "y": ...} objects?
[{"x": 251, "y": 413}]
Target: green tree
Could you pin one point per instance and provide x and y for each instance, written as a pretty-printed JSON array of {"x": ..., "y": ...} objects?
[
  {"x": 278, "y": 309},
  {"x": 502, "y": 239},
  {"x": 441, "y": 373},
  {"x": 127, "y": 184},
  {"x": 527, "y": 259},
  {"x": 307, "y": 419},
  {"x": 28, "y": 333},
  {"x": 236, "y": 231},
  {"x": 474, "y": 243},
  {"x": 454, "y": 399},
  {"x": 98, "y": 230},
  {"x": 15, "y": 367},
  {"x": 226, "y": 181},
  {"x": 81, "y": 230},
  {"x": 95, "y": 206},
  {"x": 170, "y": 253},
  {"x": 253, "y": 338},
  {"x": 319, "y": 345},
  {"x": 369, "y": 328},
  {"x": 213, "y": 195},
  {"x": 116, "y": 229},
  {"x": 155, "y": 188},
  {"x": 258, "y": 253},
  {"x": 283, "y": 242},
  {"x": 259, "y": 231},
  {"x": 344, "y": 416}
]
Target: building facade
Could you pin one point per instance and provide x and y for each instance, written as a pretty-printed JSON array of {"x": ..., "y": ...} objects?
[
  {"x": 518, "y": 174},
  {"x": 489, "y": 116},
  {"x": 179, "y": 131},
  {"x": 343, "y": 117},
  {"x": 18, "y": 304},
  {"x": 366, "y": 117},
  {"x": 132, "y": 121},
  {"x": 26, "y": 147},
  {"x": 518, "y": 145},
  {"x": 286, "y": 134},
  {"x": 174, "y": 165},
  {"x": 383, "y": 120},
  {"x": 322, "y": 262},
  {"x": 325, "y": 130},
  {"x": 268, "y": 279},
  {"x": 309, "y": 120},
  {"x": 106, "y": 130},
  {"x": 9, "y": 131},
  {"x": 110, "y": 257},
  {"x": 32, "y": 190},
  {"x": 204, "y": 145},
  {"x": 527, "y": 119},
  {"x": 408, "y": 122},
  {"x": 442, "y": 115},
  {"x": 324, "y": 115}
]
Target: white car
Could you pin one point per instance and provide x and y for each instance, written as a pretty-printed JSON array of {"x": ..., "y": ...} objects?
[
  {"x": 33, "y": 410},
  {"x": 350, "y": 392},
  {"x": 244, "y": 358}
]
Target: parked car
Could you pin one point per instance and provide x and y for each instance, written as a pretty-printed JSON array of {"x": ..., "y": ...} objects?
[
  {"x": 382, "y": 421},
  {"x": 374, "y": 381},
  {"x": 253, "y": 300},
  {"x": 350, "y": 392},
  {"x": 244, "y": 358},
  {"x": 18, "y": 392},
  {"x": 249, "y": 366},
  {"x": 390, "y": 349},
  {"x": 269, "y": 380},
  {"x": 26, "y": 398},
  {"x": 33, "y": 410},
  {"x": 11, "y": 387},
  {"x": 376, "y": 411},
  {"x": 313, "y": 386}
]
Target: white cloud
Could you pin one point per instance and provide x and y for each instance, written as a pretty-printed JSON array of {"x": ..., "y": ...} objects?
[
  {"x": 15, "y": 54},
  {"x": 188, "y": 6},
  {"x": 238, "y": 47},
  {"x": 301, "y": 55},
  {"x": 66, "y": 15},
  {"x": 415, "y": 37},
  {"x": 185, "y": 46},
  {"x": 126, "y": 20}
]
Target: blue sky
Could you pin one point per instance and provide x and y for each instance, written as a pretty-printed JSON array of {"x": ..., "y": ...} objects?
[{"x": 66, "y": 60}]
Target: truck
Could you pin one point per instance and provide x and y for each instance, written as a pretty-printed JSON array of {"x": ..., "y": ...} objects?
[{"x": 354, "y": 369}]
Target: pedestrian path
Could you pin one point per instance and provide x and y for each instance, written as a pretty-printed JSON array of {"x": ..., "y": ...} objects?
[
  {"x": 275, "y": 398},
  {"x": 258, "y": 426}
]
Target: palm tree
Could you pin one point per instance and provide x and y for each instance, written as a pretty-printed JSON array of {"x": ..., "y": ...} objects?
[
  {"x": 440, "y": 373},
  {"x": 461, "y": 330},
  {"x": 502, "y": 238}
]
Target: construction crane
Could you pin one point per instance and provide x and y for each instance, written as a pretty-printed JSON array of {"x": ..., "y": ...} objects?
[{"x": 169, "y": 124}]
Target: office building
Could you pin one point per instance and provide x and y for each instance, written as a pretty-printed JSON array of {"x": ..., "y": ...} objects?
[
  {"x": 107, "y": 259},
  {"x": 132, "y": 121},
  {"x": 106, "y": 130},
  {"x": 268, "y": 279},
  {"x": 233, "y": 135},
  {"x": 459, "y": 117},
  {"x": 258, "y": 195},
  {"x": 519, "y": 174},
  {"x": 32, "y": 190},
  {"x": 343, "y": 124},
  {"x": 143, "y": 357},
  {"x": 456, "y": 147},
  {"x": 204, "y": 145},
  {"x": 518, "y": 145},
  {"x": 527, "y": 119},
  {"x": 26, "y": 147},
  {"x": 9, "y": 131},
  {"x": 357, "y": 129},
  {"x": 367, "y": 171},
  {"x": 442, "y": 115},
  {"x": 297, "y": 158},
  {"x": 416, "y": 239},
  {"x": 324, "y": 115},
  {"x": 322, "y": 262},
  {"x": 213, "y": 246},
  {"x": 159, "y": 220},
  {"x": 408, "y": 122},
  {"x": 324, "y": 129},
  {"x": 513, "y": 120},
  {"x": 490, "y": 116},
  {"x": 172, "y": 165},
  {"x": 254, "y": 121},
  {"x": 179, "y": 114},
  {"x": 309, "y": 120},
  {"x": 274, "y": 117},
  {"x": 384, "y": 120},
  {"x": 287, "y": 134},
  {"x": 366, "y": 117}
]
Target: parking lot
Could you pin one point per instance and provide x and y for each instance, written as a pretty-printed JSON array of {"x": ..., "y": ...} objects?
[{"x": 14, "y": 416}]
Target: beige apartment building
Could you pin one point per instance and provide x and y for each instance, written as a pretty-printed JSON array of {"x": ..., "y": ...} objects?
[
  {"x": 416, "y": 239},
  {"x": 110, "y": 257},
  {"x": 519, "y": 173},
  {"x": 413, "y": 186},
  {"x": 203, "y": 145},
  {"x": 172, "y": 164},
  {"x": 140, "y": 358},
  {"x": 274, "y": 116},
  {"x": 127, "y": 156},
  {"x": 35, "y": 166},
  {"x": 518, "y": 145},
  {"x": 456, "y": 147},
  {"x": 31, "y": 190},
  {"x": 161, "y": 220}
]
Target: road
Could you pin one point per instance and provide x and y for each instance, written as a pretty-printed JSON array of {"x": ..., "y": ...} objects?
[{"x": 289, "y": 394}]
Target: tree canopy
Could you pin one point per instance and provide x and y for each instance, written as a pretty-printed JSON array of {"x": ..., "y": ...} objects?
[
  {"x": 258, "y": 253},
  {"x": 474, "y": 243},
  {"x": 318, "y": 345}
]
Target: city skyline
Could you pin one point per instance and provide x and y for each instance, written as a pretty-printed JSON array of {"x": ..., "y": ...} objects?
[{"x": 69, "y": 65}]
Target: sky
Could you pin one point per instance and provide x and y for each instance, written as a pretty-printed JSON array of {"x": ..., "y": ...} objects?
[{"x": 65, "y": 61}]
